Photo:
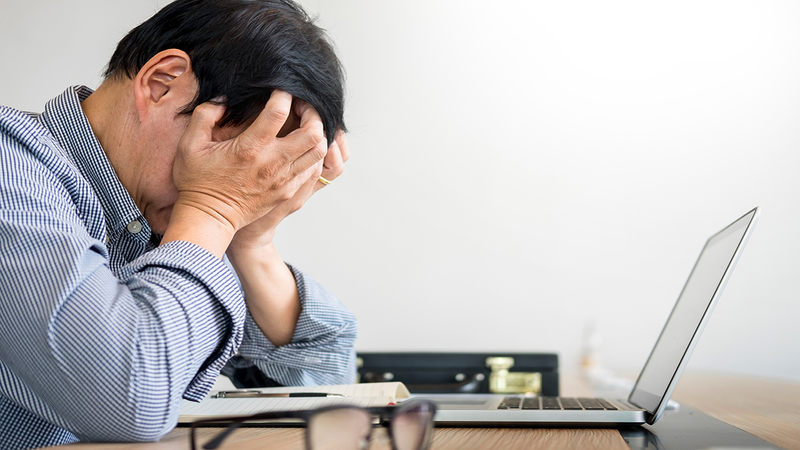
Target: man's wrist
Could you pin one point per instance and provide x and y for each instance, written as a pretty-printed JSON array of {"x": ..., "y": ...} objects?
[
  {"x": 248, "y": 254},
  {"x": 270, "y": 290},
  {"x": 247, "y": 245},
  {"x": 192, "y": 224}
]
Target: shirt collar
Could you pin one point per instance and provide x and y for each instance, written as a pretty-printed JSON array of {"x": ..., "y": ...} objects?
[{"x": 64, "y": 118}]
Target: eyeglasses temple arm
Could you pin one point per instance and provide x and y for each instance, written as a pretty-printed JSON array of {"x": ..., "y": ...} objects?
[{"x": 217, "y": 441}]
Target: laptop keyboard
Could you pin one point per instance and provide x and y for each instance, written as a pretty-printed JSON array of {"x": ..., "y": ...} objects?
[{"x": 556, "y": 403}]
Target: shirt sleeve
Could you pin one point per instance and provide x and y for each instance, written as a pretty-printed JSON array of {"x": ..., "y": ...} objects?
[
  {"x": 322, "y": 349},
  {"x": 107, "y": 356}
]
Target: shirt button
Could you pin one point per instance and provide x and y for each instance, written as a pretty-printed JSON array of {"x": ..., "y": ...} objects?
[{"x": 134, "y": 227}]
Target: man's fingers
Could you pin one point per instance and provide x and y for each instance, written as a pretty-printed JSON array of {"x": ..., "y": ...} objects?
[
  {"x": 311, "y": 132},
  {"x": 334, "y": 165},
  {"x": 269, "y": 122},
  {"x": 201, "y": 125},
  {"x": 334, "y": 160},
  {"x": 310, "y": 158},
  {"x": 341, "y": 140},
  {"x": 316, "y": 172}
]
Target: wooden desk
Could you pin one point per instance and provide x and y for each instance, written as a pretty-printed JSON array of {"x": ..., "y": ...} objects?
[
  {"x": 767, "y": 409},
  {"x": 444, "y": 439},
  {"x": 764, "y": 408}
]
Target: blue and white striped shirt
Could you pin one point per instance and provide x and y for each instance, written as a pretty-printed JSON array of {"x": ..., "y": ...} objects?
[{"x": 103, "y": 332}]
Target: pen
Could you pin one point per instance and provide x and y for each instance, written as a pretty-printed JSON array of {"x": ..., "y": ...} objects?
[{"x": 249, "y": 394}]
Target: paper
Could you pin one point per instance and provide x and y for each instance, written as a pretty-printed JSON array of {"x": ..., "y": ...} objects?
[{"x": 364, "y": 395}]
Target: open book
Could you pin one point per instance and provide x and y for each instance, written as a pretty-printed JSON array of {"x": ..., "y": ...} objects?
[{"x": 364, "y": 395}]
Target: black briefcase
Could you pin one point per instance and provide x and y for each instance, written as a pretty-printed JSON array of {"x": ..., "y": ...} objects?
[{"x": 445, "y": 373}]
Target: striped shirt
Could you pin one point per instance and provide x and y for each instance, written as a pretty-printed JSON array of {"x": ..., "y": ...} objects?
[{"x": 102, "y": 331}]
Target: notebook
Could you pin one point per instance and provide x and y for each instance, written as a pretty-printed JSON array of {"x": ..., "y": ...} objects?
[
  {"x": 648, "y": 399},
  {"x": 252, "y": 401}
]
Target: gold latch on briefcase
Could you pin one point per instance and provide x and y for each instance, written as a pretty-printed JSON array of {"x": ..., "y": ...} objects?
[{"x": 501, "y": 381}]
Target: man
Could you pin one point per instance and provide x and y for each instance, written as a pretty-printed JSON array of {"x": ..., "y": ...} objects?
[{"x": 118, "y": 208}]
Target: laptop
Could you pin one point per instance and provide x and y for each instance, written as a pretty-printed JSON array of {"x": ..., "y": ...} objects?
[{"x": 648, "y": 399}]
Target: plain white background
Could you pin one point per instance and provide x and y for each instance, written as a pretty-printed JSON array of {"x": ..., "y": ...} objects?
[{"x": 522, "y": 169}]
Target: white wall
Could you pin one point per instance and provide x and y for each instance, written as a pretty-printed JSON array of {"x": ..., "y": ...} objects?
[{"x": 521, "y": 168}]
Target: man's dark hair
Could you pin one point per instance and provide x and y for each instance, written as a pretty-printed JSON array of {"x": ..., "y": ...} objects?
[{"x": 242, "y": 50}]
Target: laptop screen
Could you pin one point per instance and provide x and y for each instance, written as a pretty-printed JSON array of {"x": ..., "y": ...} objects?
[{"x": 690, "y": 314}]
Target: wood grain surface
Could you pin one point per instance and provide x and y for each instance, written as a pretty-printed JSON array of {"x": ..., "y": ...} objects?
[
  {"x": 443, "y": 439},
  {"x": 768, "y": 409}
]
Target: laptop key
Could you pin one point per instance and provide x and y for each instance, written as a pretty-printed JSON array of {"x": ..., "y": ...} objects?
[
  {"x": 530, "y": 403},
  {"x": 550, "y": 403},
  {"x": 556, "y": 403},
  {"x": 570, "y": 403},
  {"x": 606, "y": 404},
  {"x": 591, "y": 404},
  {"x": 510, "y": 403}
]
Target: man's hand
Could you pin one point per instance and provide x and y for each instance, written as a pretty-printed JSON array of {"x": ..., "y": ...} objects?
[
  {"x": 225, "y": 185},
  {"x": 261, "y": 232},
  {"x": 240, "y": 180},
  {"x": 269, "y": 286}
]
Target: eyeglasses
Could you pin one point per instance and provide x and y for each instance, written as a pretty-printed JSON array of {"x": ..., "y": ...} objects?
[{"x": 339, "y": 427}]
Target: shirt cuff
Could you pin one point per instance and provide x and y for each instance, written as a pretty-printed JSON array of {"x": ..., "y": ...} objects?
[{"x": 321, "y": 350}]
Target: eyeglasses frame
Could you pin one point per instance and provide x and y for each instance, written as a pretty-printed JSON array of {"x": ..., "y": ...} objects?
[{"x": 384, "y": 414}]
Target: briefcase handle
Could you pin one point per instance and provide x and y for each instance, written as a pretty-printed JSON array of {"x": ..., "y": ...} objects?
[{"x": 468, "y": 385}]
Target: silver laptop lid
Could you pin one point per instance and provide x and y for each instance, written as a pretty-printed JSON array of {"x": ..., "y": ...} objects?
[{"x": 689, "y": 316}]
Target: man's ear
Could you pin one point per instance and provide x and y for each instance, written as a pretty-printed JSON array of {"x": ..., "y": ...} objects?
[{"x": 165, "y": 76}]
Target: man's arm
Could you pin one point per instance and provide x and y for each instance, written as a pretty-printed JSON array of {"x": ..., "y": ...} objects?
[
  {"x": 105, "y": 356},
  {"x": 169, "y": 320},
  {"x": 322, "y": 348},
  {"x": 291, "y": 314}
]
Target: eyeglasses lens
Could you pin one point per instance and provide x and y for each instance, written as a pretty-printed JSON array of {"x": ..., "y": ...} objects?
[
  {"x": 413, "y": 427},
  {"x": 340, "y": 429}
]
